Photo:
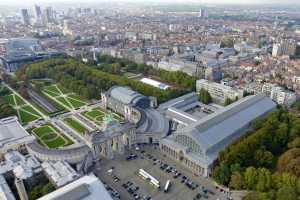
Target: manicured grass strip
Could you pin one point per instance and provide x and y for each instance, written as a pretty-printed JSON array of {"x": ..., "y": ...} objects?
[
  {"x": 53, "y": 89},
  {"x": 10, "y": 99},
  {"x": 26, "y": 117},
  {"x": 76, "y": 97},
  {"x": 64, "y": 102},
  {"x": 31, "y": 110},
  {"x": 49, "y": 136},
  {"x": 25, "y": 112},
  {"x": 95, "y": 113},
  {"x": 75, "y": 125},
  {"x": 50, "y": 93},
  {"x": 69, "y": 100},
  {"x": 19, "y": 101},
  {"x": 75, "y": 103}
]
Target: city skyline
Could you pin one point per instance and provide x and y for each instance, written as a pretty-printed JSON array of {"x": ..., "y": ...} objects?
[{"x": 277, "y": 2}]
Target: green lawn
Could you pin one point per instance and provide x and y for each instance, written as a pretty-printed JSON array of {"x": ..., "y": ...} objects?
[
  {"x": 76, "y": 103},
  {"x": 53, "y": 89},
  {"x": 26, "y": 117},
  {"x": 68, "y": 99},
  {"x": 50, "y": 137},
  {"x": 75, "y": 125},
  {"x": 95, "y": 115},
  {"x": 24, "y": 111},
  {"x": 30, "y": 109},
  {"x": 63, "y": 101},
  {"x": 10, "y": 99},
  {"x": 19, "y": 101},
  {"x": 98, "y": 114}
]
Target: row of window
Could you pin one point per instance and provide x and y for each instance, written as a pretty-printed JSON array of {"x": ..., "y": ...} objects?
[{"x": 188, "y": 142}]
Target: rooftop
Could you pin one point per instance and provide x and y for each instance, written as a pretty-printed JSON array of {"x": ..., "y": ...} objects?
[
  {"x": 12, "y": 134},
  {"x": 86, "y": 188},
  {"x": 59, "y": 172},
  {"x": 216, "y": 128}
]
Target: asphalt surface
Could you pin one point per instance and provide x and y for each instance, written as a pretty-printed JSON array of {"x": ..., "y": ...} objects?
[{"x": 128, "y": 171}]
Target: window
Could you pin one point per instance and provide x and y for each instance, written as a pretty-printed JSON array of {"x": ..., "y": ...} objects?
[{"x": 188, "y": 142}]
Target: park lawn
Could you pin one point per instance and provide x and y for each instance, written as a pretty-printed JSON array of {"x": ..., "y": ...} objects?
[
  {"x": 75, "y": 125},
  {"x": 52, "y": 94},
  {"x": 48, "y": 135},
  {"x": 75, "y": 103},
  {"x": 64, "y": 102},
  {"x": 31, "y": 110},
  {"x": 74, "y": 96},
  {"x": 95, "y": 115},
  {"x": 53, "y": 89},
  {"x": 19, "y": 100},
  {"x": 10, "y": 99},
  {"x": 26, "y": 117}
]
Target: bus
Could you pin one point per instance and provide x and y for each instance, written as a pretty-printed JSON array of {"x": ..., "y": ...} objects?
[
  {"x": 167, "y": 186},
  {"x": 148, "y": 177}
]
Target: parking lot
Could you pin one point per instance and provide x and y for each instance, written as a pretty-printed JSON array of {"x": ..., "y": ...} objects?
[{"x": 121, "y": 174}]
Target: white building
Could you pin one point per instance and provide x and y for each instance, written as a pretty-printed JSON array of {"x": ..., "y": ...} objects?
[
  {"x": 279, "y": 94},
  {"x": 86, "y": 188},
  {"x": 219, "y": 92},
  {"x": 13, "y": 135},
  {"x": 22, "y": 166},
  {"x": 284, "y": 47},
  {"x": 155, "y": 83},
  {"x": 5, "y": 192},
  {"x": 60, "y": 173}
]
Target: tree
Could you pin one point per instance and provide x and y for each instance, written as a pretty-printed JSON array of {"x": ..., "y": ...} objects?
[
  {"x": 250, "y": 177},
  {"x": 227, "y": 43},
  {"x": 205, "y": 96},
  {"x": 222, "y": 174},
  {"x": 236, "y": 181},
  {"x": 290, "y": 162},
  {"x": 286, "y": 193},
  {"x": 264, "y": 158},
  {"x": 252, "y": 196},
  {"x": 264, "y": 180},
  {"x": 5, "y": 109},
  {"x": 4, "y": 91},
  {"x": 228, "y": 101},
  {"x": 295, "y": 143}
]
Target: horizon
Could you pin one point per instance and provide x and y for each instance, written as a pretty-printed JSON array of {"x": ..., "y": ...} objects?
[{"x": 206, "y": 2}]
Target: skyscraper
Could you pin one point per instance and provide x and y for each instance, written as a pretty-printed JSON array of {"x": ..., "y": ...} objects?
[
  {"x": 25, "y": 17},
  {"x": 202, "y": 13},
  {"x": 49, "y": 15},
  {"x": 38, "y": 12}
]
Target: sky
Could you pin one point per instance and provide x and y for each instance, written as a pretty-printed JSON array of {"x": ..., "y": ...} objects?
[{"x": 27, "y": 2}]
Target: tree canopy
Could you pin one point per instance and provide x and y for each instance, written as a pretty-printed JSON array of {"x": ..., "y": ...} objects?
[
  {"x": 204, "y": 96},
  {"x": 265, "y": 161}
]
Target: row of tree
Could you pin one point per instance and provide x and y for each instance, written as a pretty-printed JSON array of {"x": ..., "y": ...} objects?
[
  {"x": 259, "y": 159},
  {"x": 5, "y": 109},
  {"x": 121, "y": 65},
  {"x": 204, "y": 96},
  {"x": 89, "y": 81}
]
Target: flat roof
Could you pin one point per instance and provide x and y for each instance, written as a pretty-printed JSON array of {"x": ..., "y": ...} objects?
[
  {"x": 88, "y": 187},
  {"x": 12, "y": 133},
  {"x": 216, "y": 128},
  {"x": 155, "y": 83}
]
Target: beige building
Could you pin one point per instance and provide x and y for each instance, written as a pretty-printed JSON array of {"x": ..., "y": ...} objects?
[{"x": 219, "y": 92}]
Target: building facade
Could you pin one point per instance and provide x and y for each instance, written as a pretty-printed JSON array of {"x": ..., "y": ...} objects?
[
  {"x": 139, "y": 110},
  {"x": 198, "y": 144},
  {"x": 219, "y": 92}
]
